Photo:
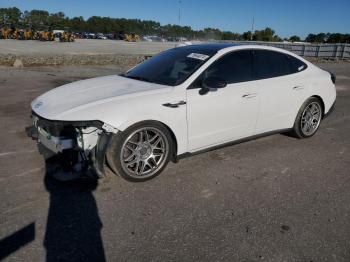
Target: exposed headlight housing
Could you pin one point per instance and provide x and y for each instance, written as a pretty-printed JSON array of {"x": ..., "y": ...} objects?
[{"x": 333, "y": 77}]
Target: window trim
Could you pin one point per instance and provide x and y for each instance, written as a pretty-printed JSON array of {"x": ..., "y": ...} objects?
[{"x": 192, "y": 86}]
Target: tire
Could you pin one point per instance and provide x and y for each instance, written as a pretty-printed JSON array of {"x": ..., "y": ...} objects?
[
  {"x": 308, "y": 118},
  {"x": 141, "y": 152}
]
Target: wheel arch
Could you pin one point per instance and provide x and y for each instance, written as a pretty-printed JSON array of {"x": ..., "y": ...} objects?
[
  {"x": 322, "y": 103},
  {"x": 309, "y": 97}
]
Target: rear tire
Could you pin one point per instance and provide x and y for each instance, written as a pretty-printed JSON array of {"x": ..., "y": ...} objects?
[
  {"x": 308, "y": 119},
  {"x": 141, "y": 152}
]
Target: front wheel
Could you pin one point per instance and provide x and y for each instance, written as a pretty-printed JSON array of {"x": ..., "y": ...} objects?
[
  {"x": 308, "y": 119},
  {"x": 141, "y": 152}
]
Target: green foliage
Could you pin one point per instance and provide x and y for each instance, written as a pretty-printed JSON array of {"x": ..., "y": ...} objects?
[
  {"x": 247, "y": 36},
  {"x": 328, "y": 38},
  {"x": 227, "y": 35},
  {"x": 37, "y": 18},
  {"x": 41, "y": 19},
  {"x": 266, "y": 34},
  {"x": 338, "y": 38},
  {"x": 10, "y": 15},
  {"x": 294, "y": 38},
  {"x": 319, "y": 38}
]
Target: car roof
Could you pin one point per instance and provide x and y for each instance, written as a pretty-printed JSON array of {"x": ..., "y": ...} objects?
[{"x": 211, "y": 47}]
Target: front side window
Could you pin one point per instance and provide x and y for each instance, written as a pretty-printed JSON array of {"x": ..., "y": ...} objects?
[
  {"x": 171, "y": 67},
  {"x": 269, "y": 64},
  {"x": 234, "y": 67}
]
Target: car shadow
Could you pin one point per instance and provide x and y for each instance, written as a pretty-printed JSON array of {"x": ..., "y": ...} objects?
[{"x": 73, "y": 230}]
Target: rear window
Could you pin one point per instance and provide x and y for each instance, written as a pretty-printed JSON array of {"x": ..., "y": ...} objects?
[
  {"x": 296, "y": 65},
  {"x": 269, "y": 64}
]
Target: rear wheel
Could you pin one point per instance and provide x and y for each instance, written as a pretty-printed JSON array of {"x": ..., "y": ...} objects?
[
  {"x": 308, "y": 119},
  {"x": 141, "y": 152}
]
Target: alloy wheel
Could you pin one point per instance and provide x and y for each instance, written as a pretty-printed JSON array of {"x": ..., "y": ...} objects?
[
  {"x": 311, "y": 118},
  {"x": 144, "y": 152}
]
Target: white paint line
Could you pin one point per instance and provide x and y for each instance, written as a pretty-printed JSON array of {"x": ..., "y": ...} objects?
[
  {"x": 16, "y": 152},
  {"x": 29, "y": 171},
  {"x": 341, "y": 87},
  {"x": 342, "y": 77},
  {"x": 285, "y": 170},
  {"x": 23, "y": 173}
]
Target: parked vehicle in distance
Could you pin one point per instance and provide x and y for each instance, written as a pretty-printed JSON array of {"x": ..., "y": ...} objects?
[
  {"x": 181, "y": 102},
  {"x": 100, "y": 36},
  {"x": 153, "y": 38}
]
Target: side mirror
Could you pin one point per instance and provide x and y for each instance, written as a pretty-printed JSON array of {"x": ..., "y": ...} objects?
[{"x": 212, "y": 83}]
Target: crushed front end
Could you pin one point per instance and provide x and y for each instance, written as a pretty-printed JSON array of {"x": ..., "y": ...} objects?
[{"x": 72, "y": 148}]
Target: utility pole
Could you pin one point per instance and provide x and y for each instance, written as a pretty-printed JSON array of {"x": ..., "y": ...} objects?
[
  {"x": 180, "y": 17},
  {"x": 180, "y": 12},
  {"x": 252, "y": 32}
]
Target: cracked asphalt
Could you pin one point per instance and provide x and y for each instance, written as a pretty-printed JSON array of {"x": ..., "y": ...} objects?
[{"x": 273, "y": 199}]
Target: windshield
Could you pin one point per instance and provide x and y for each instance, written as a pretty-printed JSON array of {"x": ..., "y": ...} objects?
[{"x": 171, "y": 67}]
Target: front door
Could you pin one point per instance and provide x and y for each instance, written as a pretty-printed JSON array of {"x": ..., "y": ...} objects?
[{"x": 224, "y": 114}]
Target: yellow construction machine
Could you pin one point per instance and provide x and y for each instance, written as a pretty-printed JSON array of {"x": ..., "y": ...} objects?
[
  {"x": 6, "y": 31},
  {"x": 46, "y": 36},
  {"x": 67, "y": 37},
  {"x": 132, "y": 37},
  {"x": 14, "y": 33},
  {"x": 26, "y": 34}
]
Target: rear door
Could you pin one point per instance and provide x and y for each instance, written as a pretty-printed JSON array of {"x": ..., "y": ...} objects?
[
  {"x": 224, "y": 114},
  {"x": 282, "y": 89}
]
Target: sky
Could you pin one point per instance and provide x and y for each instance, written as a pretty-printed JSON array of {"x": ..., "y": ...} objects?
[{"x": 286, "y": 17}]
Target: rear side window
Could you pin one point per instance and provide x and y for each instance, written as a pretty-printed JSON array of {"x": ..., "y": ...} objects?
[
  {"x": 234, "y": 67},
  {"x": 268, "y": 64},
  {"x": 296, "y": 65}
]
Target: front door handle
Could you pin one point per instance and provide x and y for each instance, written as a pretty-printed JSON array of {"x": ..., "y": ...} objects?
[
  {"x": 296, "y": 88},
  {"x": 250, "y": 95},
  {"x": 174, "y": 105}
]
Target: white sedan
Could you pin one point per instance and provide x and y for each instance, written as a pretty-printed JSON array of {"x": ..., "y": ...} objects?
[{"x": 180, "y": 102}]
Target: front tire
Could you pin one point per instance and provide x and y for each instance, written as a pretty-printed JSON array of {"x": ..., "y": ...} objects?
[
  {"x": 141, "y": 152},
  {"x": 308, "y": 119}
]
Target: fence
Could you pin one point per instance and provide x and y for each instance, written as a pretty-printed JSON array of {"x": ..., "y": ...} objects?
[{"x": 328, "y": 51}]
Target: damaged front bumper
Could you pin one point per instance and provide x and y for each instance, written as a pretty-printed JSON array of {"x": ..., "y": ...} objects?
[{"x": 81, "y": 145}]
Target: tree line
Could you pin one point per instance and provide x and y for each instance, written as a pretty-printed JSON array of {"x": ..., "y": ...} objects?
[{"x": 41, "y": 19}]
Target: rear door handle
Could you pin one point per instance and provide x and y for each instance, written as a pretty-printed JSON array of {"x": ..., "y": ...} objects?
[
  {"x": 296, "y": 88},
  {"x": 250, "y": 95},
  {"x": 174, "y": 105}
]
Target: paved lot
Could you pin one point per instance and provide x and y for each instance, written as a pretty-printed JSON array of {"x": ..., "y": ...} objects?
[
  {"x": 273, "y": 199},
  {"x": 81, "y": 46}
]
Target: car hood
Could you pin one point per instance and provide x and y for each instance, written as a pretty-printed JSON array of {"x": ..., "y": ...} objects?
[{"x": 86, "y": 93}]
